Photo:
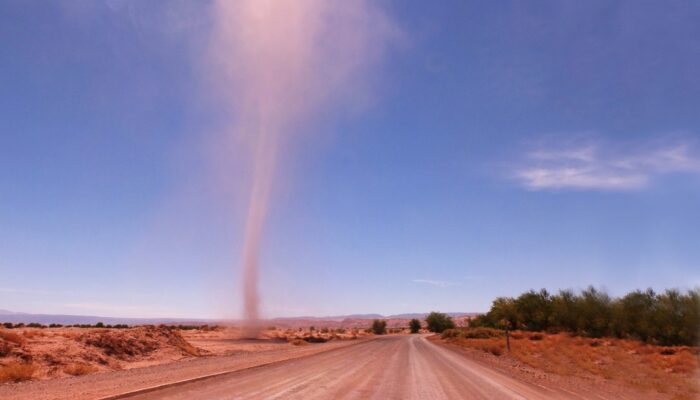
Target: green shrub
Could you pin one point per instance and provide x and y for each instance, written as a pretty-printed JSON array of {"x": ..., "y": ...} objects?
[
  {"x": 481, "y": 333},
  {"x": 378, "y": 327},
  {"x": 414, "y": 325},
  {"x": 438, "y": 322}
]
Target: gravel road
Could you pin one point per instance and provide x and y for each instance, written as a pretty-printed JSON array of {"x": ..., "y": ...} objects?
[
  {"x": 97, "y": 386},
  {"x": 392, "y": 367}
]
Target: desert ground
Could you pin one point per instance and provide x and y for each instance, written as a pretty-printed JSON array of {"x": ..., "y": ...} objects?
[{"x": 150, "y": 362}]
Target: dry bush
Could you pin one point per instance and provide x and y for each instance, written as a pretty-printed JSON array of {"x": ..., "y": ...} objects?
[
  {"x": 472, "y": 333},
  {"x": 482, "y": 333},
  {"x": 141, "y": 341},
  {"x": 77, "y": 369},
  {"x": 11, "y": 337},
  {"x": 315, "y": 339},
  {"x": 662, "y": 369},
  {"x": 17, "y": 372},
  {"x": 33, "y": 333},
  {"x": 5, "y": 348}
]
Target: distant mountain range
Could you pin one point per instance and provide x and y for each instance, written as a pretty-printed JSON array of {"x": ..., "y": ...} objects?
[
  {"x": 17, "y": 317},
  {"x": 336, "y": 320}
]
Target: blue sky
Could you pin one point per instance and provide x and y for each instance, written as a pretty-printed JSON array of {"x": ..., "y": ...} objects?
[{"x": 504, "y": 146}]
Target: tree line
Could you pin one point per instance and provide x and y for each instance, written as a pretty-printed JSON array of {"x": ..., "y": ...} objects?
[{"x": 668, "y": 318}]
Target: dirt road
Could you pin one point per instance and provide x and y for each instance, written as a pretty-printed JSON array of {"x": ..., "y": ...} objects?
[{"x": 392, "y": 367}]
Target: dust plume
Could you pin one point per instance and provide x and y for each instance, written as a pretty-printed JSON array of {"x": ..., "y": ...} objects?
[{"x": 278, "y": 64}]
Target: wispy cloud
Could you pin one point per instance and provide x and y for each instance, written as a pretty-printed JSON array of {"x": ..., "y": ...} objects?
[
  {"x": 441, "y": 284},
  {"x": 599, "y": 165},
  {"x": 32, "y": 291}
]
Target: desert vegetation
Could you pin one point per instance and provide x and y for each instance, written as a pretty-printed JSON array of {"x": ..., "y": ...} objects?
[
  {"x": 414, "y": 325},
  {"x": 664, "y": 369},
  {"x": 438, "y": 322},
  {"x": 38, "y": 352},
  {"x": 668, "y": 318},
  {"x": 378, "y": 327}
]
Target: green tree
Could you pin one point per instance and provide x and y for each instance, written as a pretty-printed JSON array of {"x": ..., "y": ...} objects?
[
  {"x": 414, "y": 324},
  {"x": 533, "y": 309},
  {"x": 503, "y": 308},
  {"x": 379, "y": 327},
  {"x": 563, "y": 312},
  {"x": 594, "y": 313},
  {"x": 438, "y": 322}
]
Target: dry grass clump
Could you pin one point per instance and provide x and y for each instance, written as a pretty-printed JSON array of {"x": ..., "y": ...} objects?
[
  {"x": 472, "y": 333},
  {"x": 141, "y": 341},
  {"x": 33, "y": 333},
  {"x": 17, "y": 372},
  {"x": 9, "y": 341},
  {"x": 77, "y": 369},
  {"x": 671, "y": 370},
  {"x": 11, "y": 337}
]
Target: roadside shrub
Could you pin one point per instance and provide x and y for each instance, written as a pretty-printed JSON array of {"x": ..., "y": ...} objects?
[
  {"x": 481, "y": 333},
  {"x": 315, "y": 339},
  {"x": 378, "y": 327},
  {"x": 17, "y": 372},
  {"x": 438, "y": 322},
  {"x": 414, "y": 325},
  {"x": 495, "y": 350},
  {"x": 78, "y": 369},
  {"x": 450, "y": 333}
]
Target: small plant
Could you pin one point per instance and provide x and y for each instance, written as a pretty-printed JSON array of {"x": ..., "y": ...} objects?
[
  {"x": 78, "y": 369},
  {"x": 17, "y": 372},
  {"x": 451, "y": 333},
  {"x": 379, "y": 327},
  {"x": 482, "y": 333},
  {"x": 414, "y": 325},
  {"x": 11, "y": 337},
  {"x": 5, "y": 349}
]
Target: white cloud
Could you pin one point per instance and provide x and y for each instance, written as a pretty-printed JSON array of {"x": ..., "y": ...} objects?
[
  {"x": 606, "y": 166},
  {"x": 440, "y": 284}
]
